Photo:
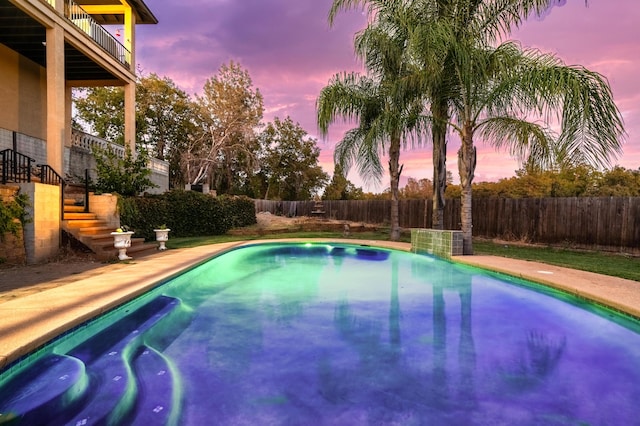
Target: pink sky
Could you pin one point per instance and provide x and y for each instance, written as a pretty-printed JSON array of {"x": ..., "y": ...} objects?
[{"x": 290, "y": 53}]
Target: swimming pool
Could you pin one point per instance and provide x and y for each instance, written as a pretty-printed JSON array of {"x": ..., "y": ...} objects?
[{"x": 342, "y": 334}]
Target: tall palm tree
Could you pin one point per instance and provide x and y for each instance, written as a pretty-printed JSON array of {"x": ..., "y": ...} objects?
[
  {"x": 445, "y": 48},
  {"x": 387, "y": 111},
  {"x": 502, "y": 88},
  {"x": 426, "y": 26}
]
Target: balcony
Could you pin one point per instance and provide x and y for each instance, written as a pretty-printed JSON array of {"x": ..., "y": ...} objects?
[
  {"x": 22, "y": 30},
  {"x": 86, "y": 23}
]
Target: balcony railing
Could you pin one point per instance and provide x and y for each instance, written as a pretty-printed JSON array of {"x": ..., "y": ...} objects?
[
  {"x": 86, "y": 23},
  {"x": 86, "y": 142}
]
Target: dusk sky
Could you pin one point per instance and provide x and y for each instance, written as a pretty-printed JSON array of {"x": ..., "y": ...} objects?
[{"x": 291, "y": 52}]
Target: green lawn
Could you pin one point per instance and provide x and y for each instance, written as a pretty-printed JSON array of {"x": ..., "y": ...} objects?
[
  {"x": 616, "y": 265},
  {"x": 603, "y": 263}
]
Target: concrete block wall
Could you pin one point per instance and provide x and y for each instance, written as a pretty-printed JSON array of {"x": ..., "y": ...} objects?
[
  {"x": 441, "y": 243},
  {"x": 27, "y": 145},
  {"x": 42, "y": 236}
]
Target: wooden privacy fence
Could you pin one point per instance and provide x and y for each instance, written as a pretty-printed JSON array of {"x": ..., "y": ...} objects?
[{"x": 607, "y": 223}]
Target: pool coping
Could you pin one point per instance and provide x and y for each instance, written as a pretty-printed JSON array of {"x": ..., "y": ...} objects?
[{"x": 31, "y": 321}]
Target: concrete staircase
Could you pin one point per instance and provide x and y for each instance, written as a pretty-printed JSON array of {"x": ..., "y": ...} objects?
[{"x": 94, "y": 233}]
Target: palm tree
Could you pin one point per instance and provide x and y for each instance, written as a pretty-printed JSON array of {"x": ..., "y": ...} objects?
[
  {"x": 444, "y": 47},
  {"x": 501, "y": 88},
  {"x": 387, "y": 111},
  {"x": 422, "y": 28}
]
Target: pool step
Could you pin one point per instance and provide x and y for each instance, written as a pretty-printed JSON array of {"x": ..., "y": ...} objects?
[
  {"x": 157, "y": 402},
  {"x": 44, "y": 391},
  {"x": 108, "y": 357},
  {"x": 103, "y": 388}
]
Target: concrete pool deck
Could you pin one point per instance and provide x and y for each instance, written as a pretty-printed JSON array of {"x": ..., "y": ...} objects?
[{"x": 30, "y": 321}]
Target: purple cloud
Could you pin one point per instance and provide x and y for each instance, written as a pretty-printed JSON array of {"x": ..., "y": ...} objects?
[{"x": 291, "y": 52}]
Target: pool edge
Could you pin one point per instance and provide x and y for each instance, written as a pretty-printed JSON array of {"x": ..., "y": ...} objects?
[{"x": 31, "y": 321}]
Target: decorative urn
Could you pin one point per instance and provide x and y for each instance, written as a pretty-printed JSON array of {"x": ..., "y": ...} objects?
[
  {"x": 122, "y": 241},
  {"x": 162, "y": 235}
]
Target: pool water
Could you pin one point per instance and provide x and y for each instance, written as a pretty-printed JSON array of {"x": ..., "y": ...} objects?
[{"x": 337, "y": 335}]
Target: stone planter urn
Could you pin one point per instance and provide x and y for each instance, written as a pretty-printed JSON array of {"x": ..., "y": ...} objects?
[
  {"x": 122, "y": 241},
  {"x": 162, "y": 235}
]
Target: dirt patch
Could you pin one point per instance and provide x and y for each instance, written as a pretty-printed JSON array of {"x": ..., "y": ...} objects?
[{"x": 272, "y": 224}]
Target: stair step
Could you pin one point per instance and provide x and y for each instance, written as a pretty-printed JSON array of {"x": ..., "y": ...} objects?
[
  {"x": 93, "y": 383},
  {"x": 135, "y": 251},
  {"x": 82, "y": 223},
  {"x": 98, "y": 238},
  {"x": 73, "y": 209},
  {"x": 72, "y": 201},
  {"x": 44, "y": 390},
  {"x": 80, "y": 216},
  {"x": 156, "y": 404},
  {"x": 95, "y": 230}
]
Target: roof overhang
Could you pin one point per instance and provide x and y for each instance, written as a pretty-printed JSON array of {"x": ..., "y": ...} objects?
[{"x": 109, "y": 12}]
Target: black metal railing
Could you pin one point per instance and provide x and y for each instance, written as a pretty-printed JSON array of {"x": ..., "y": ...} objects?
[
  {"x": 49, "y": 176},
  {"x": 16, "y": 167},
  {"x": 87, "y": 187}
]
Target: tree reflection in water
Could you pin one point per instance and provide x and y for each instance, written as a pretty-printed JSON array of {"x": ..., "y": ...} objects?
[
  {"x": 402, "y": 389},
  {"x": 535, "y": 363}
]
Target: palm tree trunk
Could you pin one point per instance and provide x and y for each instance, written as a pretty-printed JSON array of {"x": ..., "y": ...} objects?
[
  {"x": 439, "y": 134},
  {"x": 466, "y": 168},
  {"x": 394, "y": 173}
]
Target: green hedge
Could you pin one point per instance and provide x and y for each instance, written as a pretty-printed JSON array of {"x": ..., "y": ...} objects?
[{"x": 186, "y": 213}]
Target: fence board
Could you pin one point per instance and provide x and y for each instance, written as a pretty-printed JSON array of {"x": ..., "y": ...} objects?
[{"x": 611, "y": 223}]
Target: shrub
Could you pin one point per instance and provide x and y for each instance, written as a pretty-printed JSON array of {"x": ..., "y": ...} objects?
[
  {"x": 12, "y": 210},
  {"x": 126, "y": 176},
  {"x": 186, "y": 213},
  {"x": 143, "y": 214}
]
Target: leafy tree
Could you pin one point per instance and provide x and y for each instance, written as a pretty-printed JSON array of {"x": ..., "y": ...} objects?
[
  {"x": 387, "y": 110},
  {"x": 126, "y": 176},
  {"x": 340, "y": 188},
  {"x": 101, "y": 110},
  {"x": 417, "y": 189},
  {"x": 619, "y": 182},
  {"x": 230, "y": 110},
  {"x": 573, "y": 181},
  {"x": 165, "y": 115},
  {"x": 288, "y": 162},
  {"x": 165, "y": 118}
]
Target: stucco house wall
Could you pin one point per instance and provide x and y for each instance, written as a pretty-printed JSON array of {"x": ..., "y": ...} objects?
[{"x": 23, "y": 91}]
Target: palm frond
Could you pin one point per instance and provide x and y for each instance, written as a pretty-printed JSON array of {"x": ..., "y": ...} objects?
[
  {"x": 347, "y": 96},
  {"x": 355, "y": 149},
  {"x": 580, "y": 99},
  {"x": 525, "y": 140}
]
